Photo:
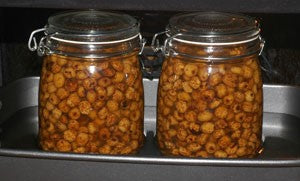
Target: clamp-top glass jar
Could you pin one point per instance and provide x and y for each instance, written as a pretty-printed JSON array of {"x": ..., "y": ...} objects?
[
  {"x": 210, "y": 88},
  {"x": 91, "y": 93}
]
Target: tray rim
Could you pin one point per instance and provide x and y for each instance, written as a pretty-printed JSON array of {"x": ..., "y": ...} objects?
[{"x": 150, "y": 159}]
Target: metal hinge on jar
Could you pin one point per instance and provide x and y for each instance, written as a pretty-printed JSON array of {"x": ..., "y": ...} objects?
[
  {"x": 163, "y": 48},
  {"x": 40, "y": 48},
  {"x": 155, "y": 42}
]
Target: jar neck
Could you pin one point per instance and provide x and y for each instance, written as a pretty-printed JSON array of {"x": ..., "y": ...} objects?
[
  {"x": 91, "y": 50},
  {"x": 214, "y": 52}
]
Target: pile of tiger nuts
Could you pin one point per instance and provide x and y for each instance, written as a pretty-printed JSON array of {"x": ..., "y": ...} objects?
[
  {"x": 210, "y": 110},
  {"x": 91, "y": 106}
]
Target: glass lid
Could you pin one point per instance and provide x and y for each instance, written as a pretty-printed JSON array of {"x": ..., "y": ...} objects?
[
  {"x": 92, "y": 26},
  {"x": 213, "y": 27}
]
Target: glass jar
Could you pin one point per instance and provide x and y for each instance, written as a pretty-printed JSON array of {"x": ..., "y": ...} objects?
[
  {"x": 91, "y": 93},
  {"x": 210, "y": 96}
]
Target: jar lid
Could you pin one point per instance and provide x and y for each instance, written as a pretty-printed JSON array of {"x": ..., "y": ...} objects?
[
  {"x": 213, "y": 27},
  {"x": 92, "y": 26}
]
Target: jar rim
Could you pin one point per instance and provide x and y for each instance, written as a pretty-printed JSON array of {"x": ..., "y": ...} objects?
[
  {"x": 94, "y": 43},
  {"x": 215, "y": 43}
]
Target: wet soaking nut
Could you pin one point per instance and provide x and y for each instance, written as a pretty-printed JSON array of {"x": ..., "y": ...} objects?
[
  {"x": 209, "y": 114},
  {"x": 98, "y": 111}
]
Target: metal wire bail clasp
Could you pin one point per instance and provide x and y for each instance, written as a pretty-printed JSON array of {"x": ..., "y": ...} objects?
[
  {"x": 262, "y": 44},
  {"x": 168, "y": 43},
  {"x": 36, "y": 46},
  {"x": 155, "y": 42},
  {"x": 142, "y": 43}
]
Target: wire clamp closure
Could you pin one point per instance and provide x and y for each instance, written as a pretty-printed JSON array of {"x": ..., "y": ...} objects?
[
  {"x": 262, "y": 44},
  {"x": 142, "y": 43},
  {"x": 33, "y": 39},
  {"x": 155, "y": 42},
  {"x": 41, "y": 47}
]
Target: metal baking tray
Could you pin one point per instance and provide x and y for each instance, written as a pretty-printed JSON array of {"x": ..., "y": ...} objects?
[{"x": 20, "y": 158}]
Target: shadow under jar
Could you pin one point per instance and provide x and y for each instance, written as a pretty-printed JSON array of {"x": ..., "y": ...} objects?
[
  {"x": 91, "y": 93},
  {"x": 210, "y": 89}
]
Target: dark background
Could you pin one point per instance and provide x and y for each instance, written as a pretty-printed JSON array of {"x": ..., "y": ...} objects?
[{"x": 280, "y": 28}]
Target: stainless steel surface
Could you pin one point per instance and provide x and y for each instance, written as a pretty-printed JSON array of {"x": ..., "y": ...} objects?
[{"x": 281, "y": 129}]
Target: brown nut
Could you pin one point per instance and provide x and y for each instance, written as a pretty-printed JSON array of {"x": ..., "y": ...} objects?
[
  {"x": 51, "y": 88},
  {"x": 221, "y": 90},
  {"x": 104, "y": 134},
  {"x": 215, "y": 79},
  {"x": 48, "y": 76},
  {"x": 135, "y": 115},
  {"x": 208, "y": 95},
  {"x": 184, "y": 152},
  {"x": 53, "y": 99},
  {"x": 71, "y": 84},
  {"x": 247, "y": 106},
  {"x": 203, "y": 154},
  {"x": 228, "y": 100},
  {"x": 69, "y": 135},
  {"x": 231, "y": 149},
  {"x": 124, "y": 125},
  {"x": 191, "y": 116},
  {"x": 110, "y": 90},
  {"x": 117, "y": 65},
  {"x": 230, "y": 79},
  {"x": 186, "y": 87},
  {"x": 205, "y": 116},
  {"x": 84, "y": 107},
  {"x": 190, "y": 70},
  {"x": 194, "y": 147},
  {"x": 102, "y": 114},
  {"x": 89, "y": 83},
  {"x": 215, "y": 103},
  {"x": 119, "y": 77},
  {"x": 220, "y": 154},
  {"x": 210, "y": 147},
  {"x": 181, "y": 134},
  {"x": 249, "y": 96},
  {"x": 82, "y": 139},
  {"x": 221, "y": 124},
  {"x": 108, "y": 72},
  {"x": 224, "y": 142},
  {"x": 178, "y": 68},
  {"x": 236, "y": 70},
  {"x": 69, "y": 72},
  {"x": 218, "y": 133},
  {"x": 203, "y": 74},
  {"x": 73, "y": 100},
  {"x": 239, "y": 96},
  {"x": 183, "y": 96},
  {"x": 62, "y": 93},
  {"x": 112, "y": 105},
  {"x": 59, "y": 80},
  {"x": 111, "y": 120},
  {"x": 74, "y": 113},
  {"x": 195, "y": 82},
  {"x": 63, "y": 146},
  {"x": 81, "y": 75},
  {"x": 105, "y": 149},
  {"x": 207, "y": 127},
  {"x": 221, "y": 112},
  {"x": 181, "y": 106}
]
